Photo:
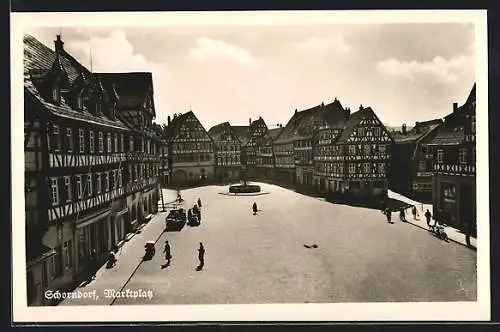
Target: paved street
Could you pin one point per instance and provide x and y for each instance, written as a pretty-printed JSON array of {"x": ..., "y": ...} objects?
[{"x": 262, "y": 259}]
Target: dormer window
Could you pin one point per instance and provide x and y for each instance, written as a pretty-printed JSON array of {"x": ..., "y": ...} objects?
[
  {"x": 79, "y": 102},
  {"x": 56, "y": 95}
]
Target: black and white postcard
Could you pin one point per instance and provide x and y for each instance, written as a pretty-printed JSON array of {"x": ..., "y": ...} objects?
[{"x": 250, "y": 166}]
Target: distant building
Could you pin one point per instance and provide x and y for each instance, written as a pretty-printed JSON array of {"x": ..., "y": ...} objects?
[
  {"x": 80, "y": 193},
  {"x": 412, "y": 161},
  {"x": 227, "y": 151},
  {"x": 364, "y": 146},
  {"x": 265, "y": 155},
  {"x": 454, "y": 165},
  {"x": 164, "y": 171},
  {"x": 191, "y": 150},
  {"x": 256, "y": 130}
]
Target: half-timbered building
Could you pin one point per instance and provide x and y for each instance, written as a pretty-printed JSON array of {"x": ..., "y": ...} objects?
[
  {"x": 192, "y": 150},
  {"x": 265, "y": 155},
  {"x": 361, "y": 168},
  {"x": 76, "y": 146},
  {"x": 141, "y": 169},
  {"x": 411, "y": 160},
  {"x": 227, "y": 152},
  {"x": 454, "y": 165},
  {"x": 256, "y": 130}
]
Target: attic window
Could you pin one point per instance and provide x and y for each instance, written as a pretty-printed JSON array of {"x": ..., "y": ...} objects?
[{"x": 56, "y": 95}]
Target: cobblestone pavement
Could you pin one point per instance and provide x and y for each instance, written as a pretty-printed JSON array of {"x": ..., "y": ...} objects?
[{"x": 263, "y": 258}]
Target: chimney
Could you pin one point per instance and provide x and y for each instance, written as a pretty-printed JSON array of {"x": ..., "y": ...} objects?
[
  {"x": 455, "y": 107},
  {"x": 322, "y": 104},
  {"x": 360, "y": 107},
  {"x": 403, "y": 128},
  {"x": 295, "y": 110},
  {"x": 249, "y": 121},
  {"x": 58, "y": 44},
  {"x": 168, "y": 120}
]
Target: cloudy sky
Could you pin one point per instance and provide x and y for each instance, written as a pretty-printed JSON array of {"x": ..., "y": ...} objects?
[{"x": 405, "y": 72}]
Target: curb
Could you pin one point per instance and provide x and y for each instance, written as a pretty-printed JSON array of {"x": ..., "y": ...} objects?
[{"x": 449, "y": 238}]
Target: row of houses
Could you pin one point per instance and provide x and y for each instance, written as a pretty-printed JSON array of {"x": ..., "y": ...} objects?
[
  {"x": 332, "y": 151},
  {"x": 92, "y": 164}
]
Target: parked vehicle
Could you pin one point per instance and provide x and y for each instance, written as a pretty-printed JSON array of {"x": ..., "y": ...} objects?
[
  {"x": 438, "y": 231},
  {"x": 193, "y": 220},
  {"x": 175, "y": 220},
  {"x": 150, "y": 250}
]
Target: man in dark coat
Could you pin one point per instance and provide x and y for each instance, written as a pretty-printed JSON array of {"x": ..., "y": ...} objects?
[
  {"x": 201, "y": 256},
  {"x": 388, "y": 214},
  {"x": 168, "y": 254},
  {"x": 467, "y": 232},
  {"x": 428, "y": 217},
  {"x": 199, "y": 202},
  {"x": 402, "y": 214},
  {"x": 254, "y": 208},
  {"x": 414, "y": 212}
]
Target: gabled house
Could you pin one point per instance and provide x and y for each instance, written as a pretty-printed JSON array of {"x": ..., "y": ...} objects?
[
  {"x": 410, "y": 158},
  {"x": 453, "y": 149},
  {"x": 256, "y": 130},
  {"x": 265, "y": 155},
  {"x": 364, "y": 147},
  {"x": 227, "y": 151},
  {"x": 192, "y": 153}
]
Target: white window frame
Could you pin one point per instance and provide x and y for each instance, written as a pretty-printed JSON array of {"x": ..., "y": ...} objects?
[
  {"x": 122, "y": 142},
  {"x": 89, "y": 184},
  {"x": 131, "y": 144},
  {"x": 106, "y": 181},
  {"x": 54, "y": 191},
  {"x": 367, "y": 149},
  {"x": 98, "y": 183},
  {"x": 115, "y": 176},
  {"x": 352, "y": 150},
  {"x": 91, "y": 141},
  {"x": 352, "y": 168},
  {"x": 81, "y": 141},
  {"x": 367, "y": 168},
  {"x": 381, "y": 149},
  {"x": 69, "y": 135},
  {"x": 79, "y": 186},
  {"x": 420, "y": 167},
  {"x": 376, "y": 131},
  {"x": 381, "y": 168},
  {"x": 109, "y": 143},
  {"x": 67, "y": 184},
  {"x": 101, "y": 141},
  {"x": 57, "y": 137},
  {"x": 116, "y": 142},
  {"x": 462, "y": 156},
  {"x": 56, "y": 94},
  {"x": 440, "y": 156}
]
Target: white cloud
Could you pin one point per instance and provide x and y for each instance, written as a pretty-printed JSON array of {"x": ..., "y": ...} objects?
[
  {"x": 111, "y": 53},
  {"x": 441, "y": 69},
  {"x": 333, "y": 42},
  {"x": 208, "y": 49}
]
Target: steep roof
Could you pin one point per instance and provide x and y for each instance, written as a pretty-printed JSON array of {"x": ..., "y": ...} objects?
[
  {"x": 242, "y": 132},
  {"x": 38, "y": 62},
  {"x": 452, "y": 131},
  {"x": 272, "y": 135},
  {"x": 302, "y": 123},
  {"x": 132, "y": 88},
  {"x": 354, "y": 119},
  {"x": 418, "y": 131},
  {"x": 216, "y": 131}
]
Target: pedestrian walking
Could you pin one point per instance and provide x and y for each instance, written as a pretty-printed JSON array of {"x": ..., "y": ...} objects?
[
  {"x": 168, "y": 254},
  {"x": 254, "y": 208},
  {"x": 388, "y": 214},
  {"x": 428, "y": 217},
  {"x": 383, "y": 206},
  {"x": 201, "y": 256},
  {"x": 467, "y": 231},
  {"x": 199, "y": 202},
  {"x": 92, "y": 265},
  {"x": 414, "y": 212},
  {"x": 402, "y": 215}
]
